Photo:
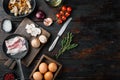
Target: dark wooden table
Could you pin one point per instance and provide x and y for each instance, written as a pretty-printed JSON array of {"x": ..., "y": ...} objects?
[{"x": 96, "y": 28}]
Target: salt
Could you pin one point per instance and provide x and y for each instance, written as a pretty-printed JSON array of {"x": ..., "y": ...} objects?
[{"x": 7, "y": 25}]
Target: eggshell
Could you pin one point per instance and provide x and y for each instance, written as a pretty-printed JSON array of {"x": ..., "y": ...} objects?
[
  {"x": 48, "y": 75},
  {"x": 52, "y": 67},
  {"x": 43, "y": 67},
  {"x": 37, "y": 76}
]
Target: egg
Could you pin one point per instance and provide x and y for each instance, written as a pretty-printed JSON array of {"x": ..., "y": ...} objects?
[
  {"x": 43, "y": 39},
  {"x": 37, "y": 76},
  {"x": 52, "y": 67},
  {"x": 43, "y": 67},
  {"x": 48, "y": 75},
  {"x": 35, "y": 42}
]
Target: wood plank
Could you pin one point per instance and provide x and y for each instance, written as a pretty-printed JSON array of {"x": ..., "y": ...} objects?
[
  {"x": 32, "y": 51},
  {"x": 96, "y": 28}
]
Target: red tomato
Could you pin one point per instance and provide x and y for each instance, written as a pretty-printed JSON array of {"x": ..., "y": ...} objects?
[
  {"x": 69, "y": 9},
  {"x": 59, "y": 21},
  {"x": 64, "y": 8},
  {"x": 63, "y": 18},
  {"x": 62, "y": 13},
  {"x": 58, "y": 15},
  {"x": 67, "y": 14}
]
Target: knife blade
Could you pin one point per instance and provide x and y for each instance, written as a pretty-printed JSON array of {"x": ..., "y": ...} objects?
[{"x": 59, "y": 34}]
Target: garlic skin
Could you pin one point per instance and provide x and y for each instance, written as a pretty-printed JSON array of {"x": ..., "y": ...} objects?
[{"x": 48, "y": 21}]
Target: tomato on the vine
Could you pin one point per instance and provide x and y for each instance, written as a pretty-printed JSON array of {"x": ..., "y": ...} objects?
[
  {"x": 67, "y": 14},
  {"x": 59, "y": 21},
  {"x": 64, "y": 8},
  {"x": 62, "y": 13},
  {"x": 69, "y": 9},
  {"x": 63, "y": 18},
  {"x": 58, "y": 15}
]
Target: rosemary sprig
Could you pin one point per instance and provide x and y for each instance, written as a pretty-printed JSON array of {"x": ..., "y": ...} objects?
[{"x": 66, "y": 44}]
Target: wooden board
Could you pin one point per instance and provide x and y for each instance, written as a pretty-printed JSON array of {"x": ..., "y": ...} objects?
[
  {"x": 47, "y": 60},
  {"x": 32, "y": 51}
]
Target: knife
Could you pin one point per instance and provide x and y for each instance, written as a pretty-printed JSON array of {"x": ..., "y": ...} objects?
[{"x": 59, "y": 34}]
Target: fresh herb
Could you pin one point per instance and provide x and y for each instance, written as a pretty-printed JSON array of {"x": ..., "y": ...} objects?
[{"x": 66, "y": 44}]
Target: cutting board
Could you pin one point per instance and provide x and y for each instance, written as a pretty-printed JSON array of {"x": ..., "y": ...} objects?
[{"x": 27, "y": 60}]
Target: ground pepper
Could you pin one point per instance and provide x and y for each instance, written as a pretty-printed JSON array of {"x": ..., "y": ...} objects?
[{"x": 9, "y": 76}]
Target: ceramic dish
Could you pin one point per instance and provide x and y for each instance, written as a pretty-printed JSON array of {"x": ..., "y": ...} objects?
[
  {"x": 10, "y": 25},
  {"x": 47, "y": 60},
  {"x": 18, "y": 54},
  {"x": 6, "y": 9},
  {"x": 21, "y": 41}
]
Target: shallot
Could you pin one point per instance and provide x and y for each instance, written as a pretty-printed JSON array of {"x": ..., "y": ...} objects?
[{"x": 40, "y": 14}]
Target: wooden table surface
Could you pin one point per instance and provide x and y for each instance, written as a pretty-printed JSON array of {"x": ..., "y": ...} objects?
[{"x": 96, "y": 28}]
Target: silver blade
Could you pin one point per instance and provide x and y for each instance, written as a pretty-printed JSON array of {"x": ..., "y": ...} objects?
[
  {"x": 59, "y": 34},
  {"x": 64, "y": 27}
]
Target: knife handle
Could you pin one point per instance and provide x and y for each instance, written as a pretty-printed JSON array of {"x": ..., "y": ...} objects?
[{"x": 54, "y": 43}]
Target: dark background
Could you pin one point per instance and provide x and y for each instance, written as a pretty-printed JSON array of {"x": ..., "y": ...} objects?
[{"x": 96, "y": 28}]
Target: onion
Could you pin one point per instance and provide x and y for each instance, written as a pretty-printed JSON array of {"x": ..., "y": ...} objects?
[{"x": 40, "y": 14}]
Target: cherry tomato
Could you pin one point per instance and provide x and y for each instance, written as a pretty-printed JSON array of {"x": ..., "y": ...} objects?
[
  {"x": 63, "y": 18},
  {"x": 59, "y": 21},
  {"x": 61, "y": 12},
  {"x": 58, "y": 15},
  {"x": 69, "y": 9},
  {"x": 64, "y": 8},
  {"x": 67, "y": 14}
]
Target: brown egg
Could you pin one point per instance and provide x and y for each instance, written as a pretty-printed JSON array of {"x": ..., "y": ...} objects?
[
  {"x": 52, "y": 67},
  {"x": 35, "y": 42},
  {"x": 48, "y": 75},
  {"x": 37, "y": 76},
  {"x": 43, "y": 68}
]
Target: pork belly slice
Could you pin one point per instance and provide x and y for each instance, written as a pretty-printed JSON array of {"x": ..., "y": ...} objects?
[{"x": 15, "y": 45}]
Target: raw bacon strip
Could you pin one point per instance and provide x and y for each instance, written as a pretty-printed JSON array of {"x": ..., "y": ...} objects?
[
  {"x": 11, "y": 41},
  {"x": 15, "y": 45},
  {"x": 16, "y": 50}
]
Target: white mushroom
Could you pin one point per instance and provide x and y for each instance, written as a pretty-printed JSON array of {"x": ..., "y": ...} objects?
[
  {"x": 33, "y": 25},
  {"x": 20, "y": 11},
  {"x": 43, "y": 39},
  {"x": 15, "y": 11},
  {"x": 31, "y": 29},
  {"x": 28, "y": 3},
  {"x": 12, "y": 1},
  {"x": 20, "y": 7}
]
